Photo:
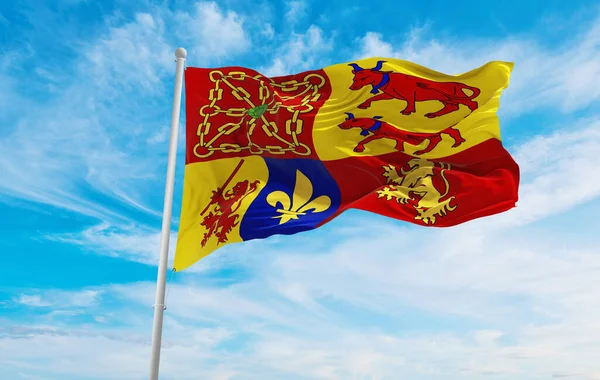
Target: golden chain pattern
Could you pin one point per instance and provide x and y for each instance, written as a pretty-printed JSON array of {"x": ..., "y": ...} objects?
[{"x": 293, "y": 125}]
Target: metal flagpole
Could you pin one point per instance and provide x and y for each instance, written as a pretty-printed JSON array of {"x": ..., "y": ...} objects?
[{"x": 159, "y": 306}]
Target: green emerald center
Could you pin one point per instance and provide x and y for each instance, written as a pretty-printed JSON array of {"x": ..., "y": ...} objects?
[{"x": 258, "y": 111}]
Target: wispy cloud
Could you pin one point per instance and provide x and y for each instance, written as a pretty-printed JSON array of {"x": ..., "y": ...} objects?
[
  {"x": 213, "y": 33},
  {"x": 90, "y": 149},
  {"x": 136, "y": 53},
  {"x": 32, "y": 300},
  {"x": 300, "y": 52},
  {"x": 63, "y": 151},
  {"x": 566, "y": 76},
  {"x": 565, "y": 171},
  {"x": 512, "y": 303},
  {"x": 129, "y": 242},
  {"x": 58, "y": 298},
  {"x": 295, "y": 10}
]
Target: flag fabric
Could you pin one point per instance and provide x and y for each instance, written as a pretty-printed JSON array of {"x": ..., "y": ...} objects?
[{"x": 282, "y": 155}]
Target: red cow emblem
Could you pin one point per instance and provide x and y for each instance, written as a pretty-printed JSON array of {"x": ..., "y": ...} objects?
[
  {"x": 390, "y": 85},
  {"x": 375, "y": 129}
]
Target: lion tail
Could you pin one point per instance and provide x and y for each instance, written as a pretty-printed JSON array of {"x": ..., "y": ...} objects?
[{"x": 446, "y": 183}]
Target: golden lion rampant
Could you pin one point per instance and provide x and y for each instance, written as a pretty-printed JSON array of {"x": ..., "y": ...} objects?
[{"x": 416, "y": 184}]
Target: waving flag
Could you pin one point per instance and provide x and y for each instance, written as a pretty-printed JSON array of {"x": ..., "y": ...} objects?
[{"x": 283, "y": 155}]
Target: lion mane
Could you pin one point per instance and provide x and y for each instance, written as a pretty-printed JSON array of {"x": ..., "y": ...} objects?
[{"x": 415, "y": 186}]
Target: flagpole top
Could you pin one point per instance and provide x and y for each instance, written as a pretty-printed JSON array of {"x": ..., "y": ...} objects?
[{"x": 180, "y": 53}]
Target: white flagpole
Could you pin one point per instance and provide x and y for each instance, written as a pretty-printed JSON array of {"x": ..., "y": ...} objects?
[{"x": 159, "y": 303}]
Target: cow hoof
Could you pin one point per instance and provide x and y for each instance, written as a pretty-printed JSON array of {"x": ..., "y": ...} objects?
[
  {"x": 407, "y": 112},
  {"x": 363, "y": 106},
  {"x": 430, "y": 115},
  {"x": 359, "y": 150}
]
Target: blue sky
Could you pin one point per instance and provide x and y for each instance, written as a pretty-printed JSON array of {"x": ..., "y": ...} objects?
[{"x": 85, "y": 97}]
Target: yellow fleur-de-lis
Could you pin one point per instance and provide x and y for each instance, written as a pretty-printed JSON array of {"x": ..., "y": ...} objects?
[{"x": 300, "y": 203}]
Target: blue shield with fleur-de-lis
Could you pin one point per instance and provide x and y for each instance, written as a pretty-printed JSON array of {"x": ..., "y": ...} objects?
[{"x": 299, "y": 195}]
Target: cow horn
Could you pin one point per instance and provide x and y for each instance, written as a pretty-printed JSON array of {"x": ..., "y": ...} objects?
[
  {"x": 378, "y": 66},
  {"x": 355, "y": 67},
  {"x": 350, "y": 116}
]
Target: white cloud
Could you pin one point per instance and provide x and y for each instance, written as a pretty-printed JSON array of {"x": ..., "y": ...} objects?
[
  {"x": 62, "y": 150},
  {"x": 366, "y": 310},
  {"x": 136, "y": 53},
  {"x": 300, "y": 52},
  {"x": 373, "y": 46},
  {"x": 68, "y": 153},
  {"x": 31, "y": 300},
  {"x": 567, "y": 76},
  {"x": 212, "y": 32},
  {"x": 57, "y": 299},
  {"x": 565, "y": 165},
  {"x": 92, "y": 136},
  {"x": 129, "y": 242},
  {"x": 295, "y": 10},
  {"x": 267, "y": 31}
]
